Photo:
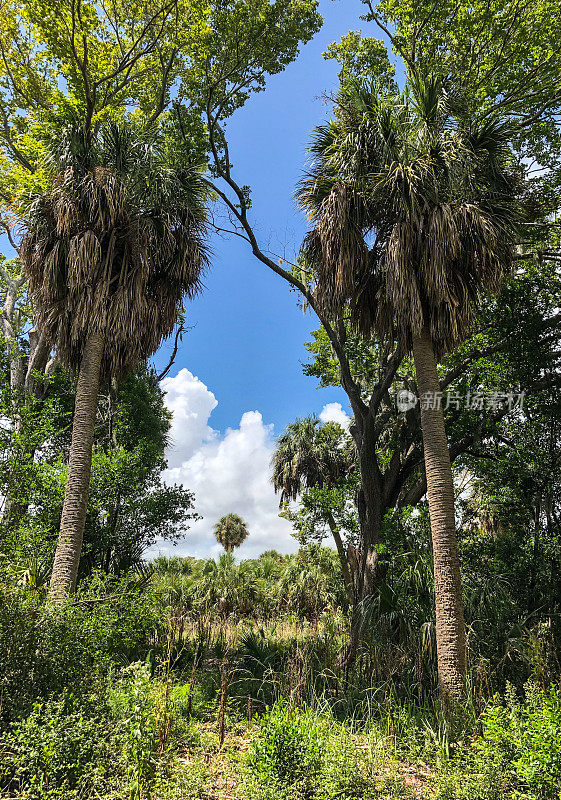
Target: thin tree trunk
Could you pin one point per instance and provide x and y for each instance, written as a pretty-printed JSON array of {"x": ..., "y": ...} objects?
[
  {"x": 67, "y": 556},
  {"x": 532, "y": 584},
  {"x": 347, "y": 580},
  {"x": 370, "y": 511},
  {"x": 450, "y": 626},
  {"x": 369, "y": 574}
]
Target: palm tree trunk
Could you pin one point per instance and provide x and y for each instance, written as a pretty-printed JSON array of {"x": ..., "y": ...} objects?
[
  {"x": 450, "y": 626},
  {"x": 67, "y": 556}
]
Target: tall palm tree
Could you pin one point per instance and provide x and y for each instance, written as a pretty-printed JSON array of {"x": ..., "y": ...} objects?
[
  {"x": 230, "y": 531},
  {"x": 110, "y": 249},
  {"x": 311, "y": 455},
  {"x": 414, "y": 212}
]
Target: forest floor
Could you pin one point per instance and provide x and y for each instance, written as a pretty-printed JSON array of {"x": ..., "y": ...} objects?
[{"x": 223, "y": 767}]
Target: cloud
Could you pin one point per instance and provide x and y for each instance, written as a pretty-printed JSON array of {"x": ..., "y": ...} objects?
[
  {"x": 191, "y": 404},
  {"x": 228, "y": 472},
  {"x": 333, "y": 412}
]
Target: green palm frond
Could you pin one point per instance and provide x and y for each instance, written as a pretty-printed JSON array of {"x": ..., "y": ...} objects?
[
  {"x": 309, "y": 454},
  {"x": 230, "y": 531}
]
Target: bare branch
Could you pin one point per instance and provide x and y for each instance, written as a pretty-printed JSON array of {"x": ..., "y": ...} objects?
[{"x": 178, "y": 338}]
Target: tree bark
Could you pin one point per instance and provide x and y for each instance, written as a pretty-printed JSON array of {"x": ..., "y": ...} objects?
[
  {"x": 371, "y": 514},
  {"x": 450, "y": 626},
  {"x": 370, "y": 511},
  {"x": 347, "y": 580},
  {"x": 67, "y": 556},
  {"x": 533, "y": 600}
]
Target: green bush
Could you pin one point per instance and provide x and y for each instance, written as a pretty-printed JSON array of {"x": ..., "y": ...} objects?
[
  {"x": 286, "y": 756},
  {"x": 518, "y": 754},
  {"x": 44, "y": 652},
  {"x": 57, "y": 751},
  {"x": 132, "y": 699},
  {"x": 524, "y": 739},
  {"x": 301, "y": 756},
  {"x": 112, "y": 741}
]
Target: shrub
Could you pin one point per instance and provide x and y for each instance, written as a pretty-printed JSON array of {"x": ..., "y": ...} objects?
[
  {"x": 132, "y": 700},
  {"x": 44, "y": 652},
  {"x": 518, "y": 754},
  {"x": 56, "y": 751},
  {"x": 299, "y": 756},
  {"x": 525, "y": 738},
  {"x": 286, "y": 756},
  {"x": 82, "y": 747}
]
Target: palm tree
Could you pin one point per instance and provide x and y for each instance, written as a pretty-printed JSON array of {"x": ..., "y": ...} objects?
[
  {"x": 414, "y": 212},
  {"x": 230, "y": 531},
  {"x": 311, "y": 455},
  {"x": 110, "y": 249}
]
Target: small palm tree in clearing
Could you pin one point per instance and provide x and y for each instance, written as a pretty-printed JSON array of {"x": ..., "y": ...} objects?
[{"x": 230, "y": 531}]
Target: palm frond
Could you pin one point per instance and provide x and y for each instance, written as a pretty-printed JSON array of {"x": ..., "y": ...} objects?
[
  {"x": 115, "y": 245},
  {"x": 414, "y": 211}
]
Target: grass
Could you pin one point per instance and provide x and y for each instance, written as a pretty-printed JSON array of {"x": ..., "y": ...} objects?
[
  {"x": 216, "y": 709},
  {"x": 372, "y": 746},
  {"x": 208, "y": 772}
]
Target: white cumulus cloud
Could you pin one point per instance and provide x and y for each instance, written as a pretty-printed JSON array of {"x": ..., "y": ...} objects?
[
  {"x": 333, "y": 412},
  {"x": 228, "y": 472},
  {"x": 191, "y": 404}
]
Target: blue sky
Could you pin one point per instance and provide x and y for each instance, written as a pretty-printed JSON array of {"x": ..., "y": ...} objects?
[
  {"x": 247, "y": 345},
  {"x": 238, "y": 380}
]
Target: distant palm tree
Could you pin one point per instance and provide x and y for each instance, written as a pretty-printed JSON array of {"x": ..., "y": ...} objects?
[
  {"x": 230, "y": 531},
  {"x": 414, "y": 211},
  {"x": 308, "y": 455},
  {"x": 110, "y": 250}
]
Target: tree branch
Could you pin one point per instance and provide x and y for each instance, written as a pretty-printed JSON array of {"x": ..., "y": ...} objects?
[{"x": 178, "y": 338}]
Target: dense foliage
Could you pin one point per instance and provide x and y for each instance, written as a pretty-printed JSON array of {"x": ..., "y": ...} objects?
[
  {"x": 165, "y": 652},
  {"x": 313, "y": 675}
]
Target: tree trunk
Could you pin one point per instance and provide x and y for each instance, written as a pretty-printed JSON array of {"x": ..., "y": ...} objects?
[
  {"x": 450, "y": 626},
  {"x": 347, "y": 580},
  {"x": 67, "y": 556},
  {"x": 370, "y": 511},
  {"x": 369, "y": 574},
  {"x": 533, "y": 600}
]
